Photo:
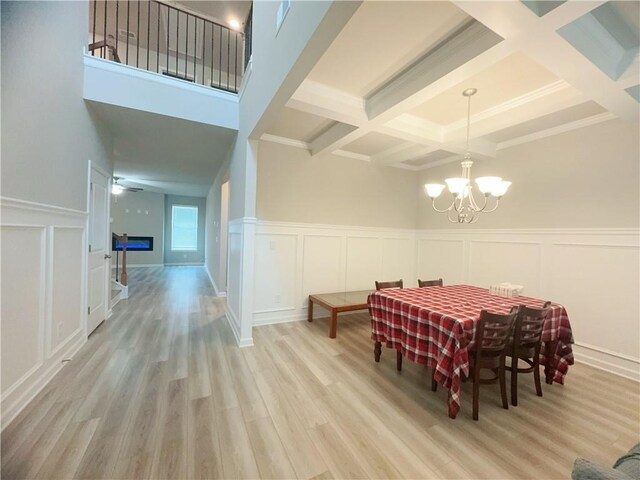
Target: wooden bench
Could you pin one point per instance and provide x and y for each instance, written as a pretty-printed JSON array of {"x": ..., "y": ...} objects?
[{"x": 338, "y": 303}]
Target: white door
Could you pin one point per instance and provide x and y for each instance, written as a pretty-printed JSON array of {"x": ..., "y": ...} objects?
[{"x": 99, "y": 249}]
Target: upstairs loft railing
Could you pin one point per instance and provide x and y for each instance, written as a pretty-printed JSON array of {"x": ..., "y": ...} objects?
[{"x": 161, "y": 38}]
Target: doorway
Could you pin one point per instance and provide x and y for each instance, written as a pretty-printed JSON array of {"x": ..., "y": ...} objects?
[
  {"x": 224, "y": 233},
  {"x": 99, "y": 251}
]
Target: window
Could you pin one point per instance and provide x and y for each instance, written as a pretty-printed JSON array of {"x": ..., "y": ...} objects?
[{"x": 184, "y": 228}]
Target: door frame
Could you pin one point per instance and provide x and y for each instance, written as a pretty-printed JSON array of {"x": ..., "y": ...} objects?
[{"x": 85, "y": 314}]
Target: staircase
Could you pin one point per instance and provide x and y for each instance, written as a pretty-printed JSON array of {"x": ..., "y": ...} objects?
[{"x": 119, "y": 282}]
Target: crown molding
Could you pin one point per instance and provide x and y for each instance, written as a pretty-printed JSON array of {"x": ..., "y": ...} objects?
[{"x": 289, "y": 142}]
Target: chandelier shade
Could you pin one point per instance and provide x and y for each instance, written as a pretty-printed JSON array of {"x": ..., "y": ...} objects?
[{"x": 464, "y": 208}]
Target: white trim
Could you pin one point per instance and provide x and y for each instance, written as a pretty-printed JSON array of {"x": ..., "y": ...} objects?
[
  {"x": 11, "y": 411},
  {"x": 290, "y": 142},
  {"x": 185, "y": 264},
  {"x": 245, "y": 77},
  {"x": 213, "y": 284},
  {"x": 40, "y": 207},
  {"x": 566, "y": 127},
  {"x": 356, "y": 156},
  {"x": 233, "y": 323},
  {"x": 141, "y": 265},
  {"x": 122, "y": 69},
  {"x": 611, "y": 362}
]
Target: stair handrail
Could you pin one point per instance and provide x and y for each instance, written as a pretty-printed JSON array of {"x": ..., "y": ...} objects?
[{"x": 124, "y": 241}]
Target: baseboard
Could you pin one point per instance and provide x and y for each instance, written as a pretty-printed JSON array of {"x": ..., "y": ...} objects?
[
  {"x": 621, "y": 365},
  {"x": 141, "y": 265},
  {"x": 195, "y": 264},
  {"x": 213, "y": 283},
  {"x": 15, "y": 405},
  {"x": 259, "y": 320}
]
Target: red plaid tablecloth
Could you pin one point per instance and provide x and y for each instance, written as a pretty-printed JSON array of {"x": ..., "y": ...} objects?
[{"x": 435, "y": 325}]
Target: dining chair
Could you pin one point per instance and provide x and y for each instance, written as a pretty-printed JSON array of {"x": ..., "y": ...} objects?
[
  {"x": 525, "y": 345},
  {"x": 430, "y": 283},
  {"x": 382, "y": 286},
  {"x": 488, "y": 352}
]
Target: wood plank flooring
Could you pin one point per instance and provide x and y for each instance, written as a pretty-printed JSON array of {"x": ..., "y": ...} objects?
[{"x": 161, "y": 391}]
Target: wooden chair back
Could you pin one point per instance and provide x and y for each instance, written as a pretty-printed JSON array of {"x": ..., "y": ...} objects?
[
  {"x": 494, "y": 331},
  {"x": 430, "y": 283},
  {"x": 529, "y": 325},
  {"x": 383, "y": 285}
]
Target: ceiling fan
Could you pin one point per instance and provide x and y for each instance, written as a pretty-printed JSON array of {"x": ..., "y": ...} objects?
[{"x": 117, "y": 189}]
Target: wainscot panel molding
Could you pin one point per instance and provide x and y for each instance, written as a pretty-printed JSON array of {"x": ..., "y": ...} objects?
[
  {"x": 240, "y": 245},
  {"x": 323, "y": 258},
  {"x": 43, "y": 317},
  {"x": 594, "y": 273}
]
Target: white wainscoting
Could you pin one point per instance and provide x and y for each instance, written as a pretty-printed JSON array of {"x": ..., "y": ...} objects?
[
  {"x": 594, "y": 273},
  {"x": 43, "y": 296},
  {"x": 293, "y": 260}
]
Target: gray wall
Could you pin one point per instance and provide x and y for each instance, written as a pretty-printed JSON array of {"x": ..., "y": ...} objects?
[
  {"x": 48, "y": 134},
  {"x": 179, "y": 257},
  {"x": 589, "y": 177},
  {"x": 327, "y": 189},
  {"x": 140, "y": 214}
]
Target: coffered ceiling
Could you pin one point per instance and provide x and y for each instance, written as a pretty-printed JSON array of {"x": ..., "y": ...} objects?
[{"x": 388, "y": 90}]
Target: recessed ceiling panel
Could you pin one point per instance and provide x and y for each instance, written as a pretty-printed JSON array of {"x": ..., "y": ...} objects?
[
  {"x": 298, "y": 125},
  {"x": 577, "y": 112},
  {"x": 542, "y": 7},
  {"x": 373, "y": 143},
  {"x": 383, "y": 38},
  {"x": 608, "y": 36},
  {"x": 429, "y": 158},
  {"x": 513, "y": 76}
]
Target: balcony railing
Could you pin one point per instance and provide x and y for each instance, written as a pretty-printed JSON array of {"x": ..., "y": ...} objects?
[{"x": 161, "y": 38}]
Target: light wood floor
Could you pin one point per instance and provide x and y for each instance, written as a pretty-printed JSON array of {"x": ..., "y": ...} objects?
[{"x": 161, "y": 391}]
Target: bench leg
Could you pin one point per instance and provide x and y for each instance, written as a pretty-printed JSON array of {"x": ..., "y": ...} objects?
[
  {"x": 333, "y": 325},
  {"x": 377, "y": 351},
  {"x": 399, "y": 360},
  {"x": 310, "y": 311}
]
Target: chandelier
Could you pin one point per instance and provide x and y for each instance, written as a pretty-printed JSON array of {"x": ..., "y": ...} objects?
[{"x": 464, "y": 208}]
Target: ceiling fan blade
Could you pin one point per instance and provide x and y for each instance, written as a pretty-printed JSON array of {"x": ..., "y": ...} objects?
[{"x": 133, "y": 189}]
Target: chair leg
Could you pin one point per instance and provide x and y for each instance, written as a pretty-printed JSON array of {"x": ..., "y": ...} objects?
[
  {"x": 503, "y": 384},
  {"x": 399, "y": 360},
  {"x": 476, "y": 388},
  {"x": 514, "y": 381},
  {"x": 434, "y": 384},
  {"x": 536, "y": 375},
  {"x": 476, "y": 398}
]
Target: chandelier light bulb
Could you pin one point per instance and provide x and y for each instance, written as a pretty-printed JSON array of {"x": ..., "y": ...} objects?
[
  {"x": 500, "y": 189},
  {"x": 433, "y": 189},
  {"x": 464, "y": 208},
  {"x": 487, "y": 184},
  {"x": 457, "y": 185}
]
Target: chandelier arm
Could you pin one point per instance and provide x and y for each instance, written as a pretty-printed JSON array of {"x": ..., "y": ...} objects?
[
  {"x": 433, "y": 204},
  {"x": 452, "y": 220},
  {"x": 495, "y": 207},
  {"x": 484, "y": 204}
]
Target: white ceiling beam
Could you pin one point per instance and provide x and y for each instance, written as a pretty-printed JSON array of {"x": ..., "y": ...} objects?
[
  {"x": 401, "y": 153},
  {"x": 443, "y": 64},
  {"x": 335, "y": 138},
  {"x": 318, "y": 99},
  {"x": 539, "y": 103},
  {"x": 538, "y": 38}
]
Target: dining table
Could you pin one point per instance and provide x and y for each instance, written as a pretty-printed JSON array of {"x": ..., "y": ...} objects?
[{"x": 435, "y": 326}]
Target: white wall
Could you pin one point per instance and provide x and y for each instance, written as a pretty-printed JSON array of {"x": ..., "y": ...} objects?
[
  {"x": 140, "y": 214},
  {"x": 48, "y": 137}
]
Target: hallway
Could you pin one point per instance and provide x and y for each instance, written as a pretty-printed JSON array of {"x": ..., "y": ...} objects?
[{"x": 161, "y": 391}]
